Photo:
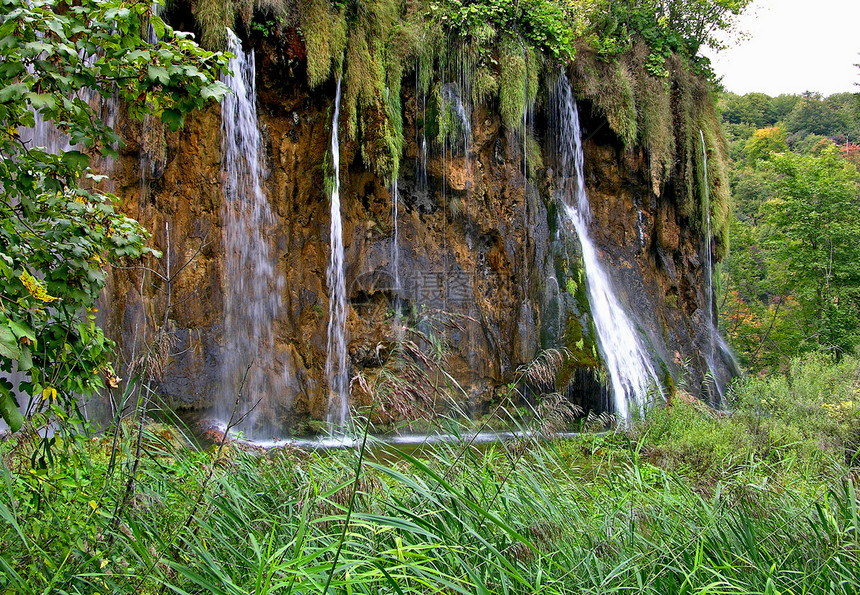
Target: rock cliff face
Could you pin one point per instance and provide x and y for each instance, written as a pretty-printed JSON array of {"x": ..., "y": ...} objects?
[{"x": 476, "y": 238}]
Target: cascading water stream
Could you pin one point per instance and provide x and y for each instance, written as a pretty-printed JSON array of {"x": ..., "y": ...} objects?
[
  {"x": 395, "y": 246},
  {"x": 335, "y": 366},
  {"x": 711, "y": 355},
  {"x": 630, "y": 370},
  {"x": 252, "y": 286},
  {"x": 151, "y": 132},
  {"x": 709, "y": 264}
]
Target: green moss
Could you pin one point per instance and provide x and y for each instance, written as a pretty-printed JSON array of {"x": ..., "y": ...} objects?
[
  {"x": 718, "y": 179},
  {"x": 609, "y": 85},
  {"x": 484, "y": 86},
  {"x": 694, "y": 114},
  {"x": 535, "y": 62},
  {"x": 534, "y": 157},
  {"x": 429, "y": 49},
  {"x": 513, "y": 83},
  {"x": 378, "y": 44},
  {"x": 212, "y": 17},
  {"x": 668, "y": 382},
  {"x": 582, "y": 349},
  {"x": 373, "y": 44},
  {"x": 654, "y": 107},
  {"x": 323, "y": 29}
]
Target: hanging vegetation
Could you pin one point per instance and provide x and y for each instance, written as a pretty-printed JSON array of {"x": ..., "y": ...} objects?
[{"x": 637, "y": 64}]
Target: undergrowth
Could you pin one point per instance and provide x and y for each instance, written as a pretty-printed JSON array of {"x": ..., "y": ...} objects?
[{"x": 760, "y": 500}]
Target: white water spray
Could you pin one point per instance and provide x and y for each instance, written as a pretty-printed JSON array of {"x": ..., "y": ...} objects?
[
  {"x": 335, "y": 366},
  {"x": 630, "y": 371},
  {"x": 252, "y": 286}
]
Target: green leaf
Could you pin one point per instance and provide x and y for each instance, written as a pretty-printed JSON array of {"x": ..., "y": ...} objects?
[
  {"x": 13, "y": 93},
  {"x": 25, "y": 362},
  {"x": 172, "y": 118},
  {"x": 157, "y": 25},
  {"x": 40, "y": 100},
  {"x": 8, "y": 343},
  {"x": 138, "y": 55},
  {"x": 216, "y": 91},
  {"x": 76, "y": 160},
  {"x": 21, "y": 331},
  {"x": 9, "y": 410},
  {"x": 159, "y": 74}
]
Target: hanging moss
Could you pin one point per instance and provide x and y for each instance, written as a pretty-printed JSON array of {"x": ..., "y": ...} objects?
[
  {"x": 684, "y": 106},
  {"x": 694, "y": 115},
  {"x": 379, "y": 43},
  {"x": 430, "y": 48},
  {"x": 323, "y": 28},
  {"x": 445, "y": 123},
  {"x": 609, "y": 85},
  {"x": 718, "y": 178},
  {"x": 513, "y": 86},
  {"x": 654, "y": 104},
  {"x": 535, "y": 62},
  {"x": 212, "y": 17},
  {"x": 484, "y": 86},
  {"x": 534, "y": 157}
]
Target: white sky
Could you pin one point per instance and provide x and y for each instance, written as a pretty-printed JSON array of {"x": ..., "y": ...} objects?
[{"x": 794, "y": 46}]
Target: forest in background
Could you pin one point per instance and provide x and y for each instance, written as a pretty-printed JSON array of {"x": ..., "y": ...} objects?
[{"x": 791, "y": 283}]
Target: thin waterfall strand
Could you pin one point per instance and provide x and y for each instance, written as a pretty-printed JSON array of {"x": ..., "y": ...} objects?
[
  {"x": 395, "y": 246},
  {"x": 252, "y": 286},
  {"x": 709, "y": 264},
  {"x": 709, "y": 274},
  {"x": 630, "y": 371},
  {"x": 336, "y": 373}
]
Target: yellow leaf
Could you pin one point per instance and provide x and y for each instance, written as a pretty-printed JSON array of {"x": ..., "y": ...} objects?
[
  {"x": 34, "y": 287},
  {"x": 49, "y": 394},
  {"x": 111, "y": 378},
  {"x": 93, "y": 504}
]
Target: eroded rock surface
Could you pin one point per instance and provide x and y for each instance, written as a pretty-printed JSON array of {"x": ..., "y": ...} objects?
[{"x": 476, "y": 241}]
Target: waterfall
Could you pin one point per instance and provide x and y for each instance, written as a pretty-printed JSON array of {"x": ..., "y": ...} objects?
[
  {"x": 50, "y": 138},
  {"x": 709, "y": 264},
  {"x": 46, "y": 135},
  {"x": 630, "y": 371},
  {"x": 335, "y": 366},
  {"x": 252, "y": 286},
  {"x": 151, "y": 157},
  {"x": 395, "y": 246},
  {"x": 451, "y": 97},
  {"x": 709, "y": 272}
]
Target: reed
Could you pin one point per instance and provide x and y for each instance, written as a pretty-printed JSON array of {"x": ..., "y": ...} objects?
[{"x": 620, "y": 511}]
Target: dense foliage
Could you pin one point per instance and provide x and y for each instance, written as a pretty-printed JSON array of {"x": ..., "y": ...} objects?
[
  {"x": 57, "y": 231},
  {"x": 792, "y": 280},
  {"x": 686, "y": 500}
]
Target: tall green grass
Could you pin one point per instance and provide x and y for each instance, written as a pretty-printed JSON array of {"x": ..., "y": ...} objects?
[{"x": 686, "y": 501}]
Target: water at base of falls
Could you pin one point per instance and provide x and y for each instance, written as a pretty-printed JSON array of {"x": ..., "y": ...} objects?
[
  {"x": 336, "y": 364},
  {"x": 341, "y": 441},
  {"x": 631, "y": 373},
  {"x": 252, "y": 386}
]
